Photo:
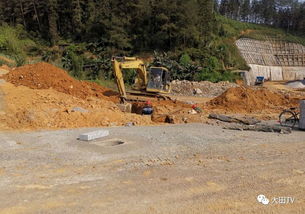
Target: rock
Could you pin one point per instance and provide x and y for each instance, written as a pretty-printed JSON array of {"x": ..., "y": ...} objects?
[
  {"x": 129, "y": 124},
  {"x": 193, "y": 112},
  {"x": 230, "y": 119},
  {"x": 79, "y": 109},
  {"x": 197, "y": 91},
  {"x": 260, "y": 128}
]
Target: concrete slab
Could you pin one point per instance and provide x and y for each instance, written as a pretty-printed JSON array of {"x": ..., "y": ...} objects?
[{"x": 93, "y": 135}]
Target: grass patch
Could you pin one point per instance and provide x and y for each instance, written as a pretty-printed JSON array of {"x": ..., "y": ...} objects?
[
  {"x": 15, "y": 43},
  {"x": 236, "y": 29}
]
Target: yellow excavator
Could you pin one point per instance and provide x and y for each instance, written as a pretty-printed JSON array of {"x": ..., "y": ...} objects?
[{"x": 152, "y": 82}]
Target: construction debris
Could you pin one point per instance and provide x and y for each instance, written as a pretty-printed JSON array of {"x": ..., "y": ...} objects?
[
  {"x": 231, "y": 119},
  {"x": 260, "y": 128},
  {"x": 200, "y": 89}
]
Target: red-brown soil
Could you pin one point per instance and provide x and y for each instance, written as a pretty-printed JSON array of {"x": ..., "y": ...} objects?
[
  {"x": 248, "y": 100},
  {"x": 46, "y": 76}
]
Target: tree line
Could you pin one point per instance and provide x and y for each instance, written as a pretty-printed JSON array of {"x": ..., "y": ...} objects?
[
  {"x": 286, "y": 14},
  {"x": 123, "y": 25}
]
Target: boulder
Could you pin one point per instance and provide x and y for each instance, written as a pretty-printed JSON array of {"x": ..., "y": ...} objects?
[{"x": 197, "y": 91}]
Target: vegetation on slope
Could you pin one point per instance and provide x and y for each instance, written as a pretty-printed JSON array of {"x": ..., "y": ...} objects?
[
  {"x": 189, "y": 37},
  {"x": 15, "y": 44}
]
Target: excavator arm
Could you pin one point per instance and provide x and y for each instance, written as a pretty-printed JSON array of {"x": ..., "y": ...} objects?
[{"x": 119, "y": 64}]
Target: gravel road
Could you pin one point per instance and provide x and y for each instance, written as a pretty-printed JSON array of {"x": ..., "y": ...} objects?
[{"x": 194, "y": 168}]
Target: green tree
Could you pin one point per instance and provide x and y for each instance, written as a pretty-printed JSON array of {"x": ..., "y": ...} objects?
[
  {"x": 245, "y": 10},
  {"x": 52, "y": 20},
  {"x": 207, "y": 19}
]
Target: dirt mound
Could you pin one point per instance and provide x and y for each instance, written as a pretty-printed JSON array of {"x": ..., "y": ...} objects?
[
  {"x": 45, "y": 76},
  {"x": 30, "y": 109},
  {"x": 247, "y": 100}
]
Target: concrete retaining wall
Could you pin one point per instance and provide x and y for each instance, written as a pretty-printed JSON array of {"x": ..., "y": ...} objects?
[{"x": 274, "y": 73}]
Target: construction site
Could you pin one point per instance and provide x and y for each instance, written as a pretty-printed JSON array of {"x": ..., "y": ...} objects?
[{"x": 204, "y": 147}]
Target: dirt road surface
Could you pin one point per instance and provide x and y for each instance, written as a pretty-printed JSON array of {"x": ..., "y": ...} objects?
[
  {"x": 192, "y": 168},
  {"x": 2, "y": 104}
]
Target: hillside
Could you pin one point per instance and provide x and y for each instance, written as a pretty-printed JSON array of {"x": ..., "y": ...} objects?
[{"x": 214, "y": 62}]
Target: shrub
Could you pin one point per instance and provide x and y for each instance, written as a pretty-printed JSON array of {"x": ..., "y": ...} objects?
[
  {"x": 20, "y": 59},
  {"x": 185, "y": 59},
  {"x": 73, "y": 61},
  {"x": 77, "y": 65}
]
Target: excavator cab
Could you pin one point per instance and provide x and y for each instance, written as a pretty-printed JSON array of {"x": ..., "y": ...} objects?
[{"x": 158, "y": 80}]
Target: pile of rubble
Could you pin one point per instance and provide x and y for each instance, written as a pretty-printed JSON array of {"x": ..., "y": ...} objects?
[{"x": 200, "y": 89}]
